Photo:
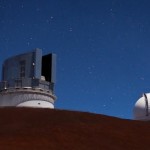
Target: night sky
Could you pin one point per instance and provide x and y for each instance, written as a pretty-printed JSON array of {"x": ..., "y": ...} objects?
[{"x": 102, "y": 47}]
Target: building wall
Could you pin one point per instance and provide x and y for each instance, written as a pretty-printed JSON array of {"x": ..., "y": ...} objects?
[
  {"x": 26, "y": 99},
  {"x": 29, "y": 63},
  {"x": 25, "y": 70},
  {"x": 36, "y": 104},
  {"x": 38, "y": 63}
]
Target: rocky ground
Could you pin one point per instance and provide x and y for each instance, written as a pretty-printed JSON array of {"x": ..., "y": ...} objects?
[{"x": 46, "y": 129}]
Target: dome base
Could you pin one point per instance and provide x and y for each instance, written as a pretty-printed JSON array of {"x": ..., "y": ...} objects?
[{"x": 26, "y": 98}]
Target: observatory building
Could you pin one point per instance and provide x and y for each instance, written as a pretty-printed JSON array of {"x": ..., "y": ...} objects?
[
  {"x": 141, "y": 109},
  {"x": 28, "y": 80}
]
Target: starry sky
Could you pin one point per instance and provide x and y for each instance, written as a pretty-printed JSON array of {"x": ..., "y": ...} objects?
[{"x": 102, "y": 47}]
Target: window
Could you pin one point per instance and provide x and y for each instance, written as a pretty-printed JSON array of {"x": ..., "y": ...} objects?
[{"x": 22, "y": 69}]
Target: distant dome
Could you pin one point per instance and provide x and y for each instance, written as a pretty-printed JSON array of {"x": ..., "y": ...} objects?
[{"x": 141, "y": 110}]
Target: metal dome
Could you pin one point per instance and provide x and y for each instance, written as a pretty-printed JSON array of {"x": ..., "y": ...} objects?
[{"x": 141, "y": 110}]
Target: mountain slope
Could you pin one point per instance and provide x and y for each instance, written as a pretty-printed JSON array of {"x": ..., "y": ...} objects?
[{"x": 24, "y": 128}]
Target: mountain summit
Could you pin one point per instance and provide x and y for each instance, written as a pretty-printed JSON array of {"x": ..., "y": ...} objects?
[{"x": 47, "y": 129}]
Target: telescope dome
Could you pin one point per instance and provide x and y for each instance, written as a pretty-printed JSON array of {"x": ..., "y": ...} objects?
[{"x": 141, "y": 109}]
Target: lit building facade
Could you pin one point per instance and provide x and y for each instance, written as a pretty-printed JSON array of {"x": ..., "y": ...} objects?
[{"x": 28, "y": 80}]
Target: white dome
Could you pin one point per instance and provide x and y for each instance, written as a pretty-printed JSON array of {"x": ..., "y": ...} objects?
[{"x": 141, "y": 110}]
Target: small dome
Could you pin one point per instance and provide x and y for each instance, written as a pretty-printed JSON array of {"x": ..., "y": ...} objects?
[{"x": 141, "y": 110}]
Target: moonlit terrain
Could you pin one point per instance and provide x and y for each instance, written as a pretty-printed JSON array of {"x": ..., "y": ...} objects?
[{"x": 46, "y": 129}]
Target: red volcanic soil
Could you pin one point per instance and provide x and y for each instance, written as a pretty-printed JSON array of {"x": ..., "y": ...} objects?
[{"x": 46, "y": 129}]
